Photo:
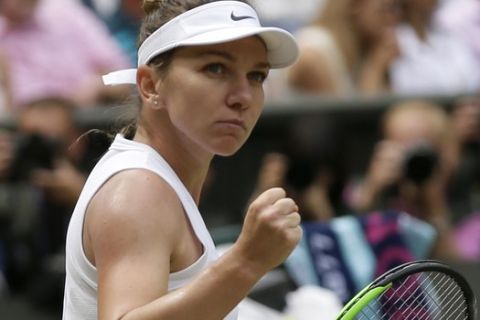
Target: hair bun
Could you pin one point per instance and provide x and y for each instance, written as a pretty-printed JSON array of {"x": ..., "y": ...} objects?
[{"x": 150, "y": 6}]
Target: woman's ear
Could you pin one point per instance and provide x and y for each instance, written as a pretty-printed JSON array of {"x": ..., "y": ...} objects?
[{"x": 147, "y": 79}]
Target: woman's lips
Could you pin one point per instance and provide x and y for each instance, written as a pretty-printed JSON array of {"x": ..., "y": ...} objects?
[{"x": 234, "y": 123}]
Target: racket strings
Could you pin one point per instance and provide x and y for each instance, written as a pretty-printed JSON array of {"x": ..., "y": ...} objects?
[
  {"x": 448, "y": 300},
  {"x": 436, "y": 307},
  {"x": 434, "y": 304},
  {"x": 434, "y": 298},
  {"x": 395, "y": 300},
  {"x": 424, "y": 296}
]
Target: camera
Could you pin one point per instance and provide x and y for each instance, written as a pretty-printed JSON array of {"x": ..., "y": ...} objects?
[
  {"x": 420, "y": 163},
  {"x": 32, "y": 151}
]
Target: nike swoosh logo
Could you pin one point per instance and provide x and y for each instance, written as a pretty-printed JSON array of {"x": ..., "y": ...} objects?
[{"x": 238, "y": 18}]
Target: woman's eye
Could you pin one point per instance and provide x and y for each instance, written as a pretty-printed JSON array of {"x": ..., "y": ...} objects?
[
  {"x": 258, "y": 76},
  {"x": 215, "y": 68}
]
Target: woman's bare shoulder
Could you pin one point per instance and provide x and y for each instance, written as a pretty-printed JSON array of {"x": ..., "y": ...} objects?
[{"x": 135, "y": 203}]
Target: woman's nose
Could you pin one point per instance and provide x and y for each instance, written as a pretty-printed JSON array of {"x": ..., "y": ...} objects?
[{"x": 241, "y": 93}]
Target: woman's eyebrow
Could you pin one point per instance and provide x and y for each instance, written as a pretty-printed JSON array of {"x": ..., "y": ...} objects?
[
  {"x": 230, "y": 57},
  {"x": 222, "y": 54}
]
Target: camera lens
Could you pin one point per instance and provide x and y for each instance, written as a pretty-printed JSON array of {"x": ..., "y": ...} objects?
[
  {"x": 32, "y": 152},
  {"x": 420, "y": 163}
]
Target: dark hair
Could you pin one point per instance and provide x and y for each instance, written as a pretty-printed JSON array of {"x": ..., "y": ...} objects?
[{"x": 158, "y": 13}]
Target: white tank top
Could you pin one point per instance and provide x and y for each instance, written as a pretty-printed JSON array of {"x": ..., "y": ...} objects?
[{"x": 80, "y": 299}]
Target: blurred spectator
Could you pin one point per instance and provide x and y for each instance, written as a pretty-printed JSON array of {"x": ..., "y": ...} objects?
[
  {"x": 124, "y": 26},
  {"x": 464, "y": 185},
  {"x": 409, "y": 168},
  {"x": 431, "y": 61},
  {"x": 57, "y": 48},
  {"x": 103, "y": 8},
  {"x": 309, "y": 168},
  {"x": 5, "y": 103},
  {"x": 347, "y": 49},
  {"x": 462, "y": 19},
  {"x": 42, "y": 172},
  {"x": 282, "y": 14},
  {"x": 348, "y": 252},
  {"x": 122, "y": 18}
]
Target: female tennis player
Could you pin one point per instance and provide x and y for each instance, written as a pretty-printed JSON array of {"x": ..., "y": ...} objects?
[{"x": 137, "y": 247}]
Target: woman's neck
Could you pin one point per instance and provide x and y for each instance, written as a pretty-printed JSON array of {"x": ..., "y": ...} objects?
[{"x": 191, "y": 169}]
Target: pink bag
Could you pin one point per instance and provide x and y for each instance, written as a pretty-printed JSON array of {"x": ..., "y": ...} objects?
[{"x": 467, "y": 237}]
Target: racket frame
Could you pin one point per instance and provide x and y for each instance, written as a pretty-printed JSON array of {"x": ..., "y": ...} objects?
[{"x": 385, "y": 281}]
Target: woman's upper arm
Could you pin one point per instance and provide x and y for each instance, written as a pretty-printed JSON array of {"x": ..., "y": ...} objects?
[{"x": 131, "y": 229}]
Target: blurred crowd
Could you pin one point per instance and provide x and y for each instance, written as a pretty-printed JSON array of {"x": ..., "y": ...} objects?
[{"x": 426, "y": 162}]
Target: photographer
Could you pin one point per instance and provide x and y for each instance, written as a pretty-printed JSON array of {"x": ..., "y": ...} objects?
[
  {"x": 309, "y": 165},
  {"x": 42, "y": 172},
  {"x": 409, "y": 169}
]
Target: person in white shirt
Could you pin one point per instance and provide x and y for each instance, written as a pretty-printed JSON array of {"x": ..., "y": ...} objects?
[
  {"x": 462, "y": 19},
  {"x": 137, "y": 247},
  {"x": 432, "y": 59}
]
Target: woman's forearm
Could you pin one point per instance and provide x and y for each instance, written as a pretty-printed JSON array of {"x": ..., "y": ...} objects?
[{"x": 211, "y": 296}]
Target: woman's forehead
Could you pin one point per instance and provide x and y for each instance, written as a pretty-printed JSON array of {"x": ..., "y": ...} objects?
[{"x": 247, "y": 48}]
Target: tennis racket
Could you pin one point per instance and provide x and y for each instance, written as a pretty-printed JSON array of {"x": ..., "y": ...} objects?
[{"x": 420, "y": 290}]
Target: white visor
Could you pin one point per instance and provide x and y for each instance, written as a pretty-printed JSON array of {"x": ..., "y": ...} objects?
[{"x": 212, "y": 23}]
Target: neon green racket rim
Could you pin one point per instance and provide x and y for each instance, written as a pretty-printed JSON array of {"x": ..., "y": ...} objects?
[{"x": 357, "y": 303}]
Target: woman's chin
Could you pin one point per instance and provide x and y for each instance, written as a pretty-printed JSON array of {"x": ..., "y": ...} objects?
[{"x": 226, "y": 150}]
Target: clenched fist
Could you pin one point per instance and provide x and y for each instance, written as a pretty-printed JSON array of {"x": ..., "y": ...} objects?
[{"x": 271, "y": 230}]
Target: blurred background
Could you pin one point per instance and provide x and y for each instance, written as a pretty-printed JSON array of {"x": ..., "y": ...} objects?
[{"x": 375, "y": 132}]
